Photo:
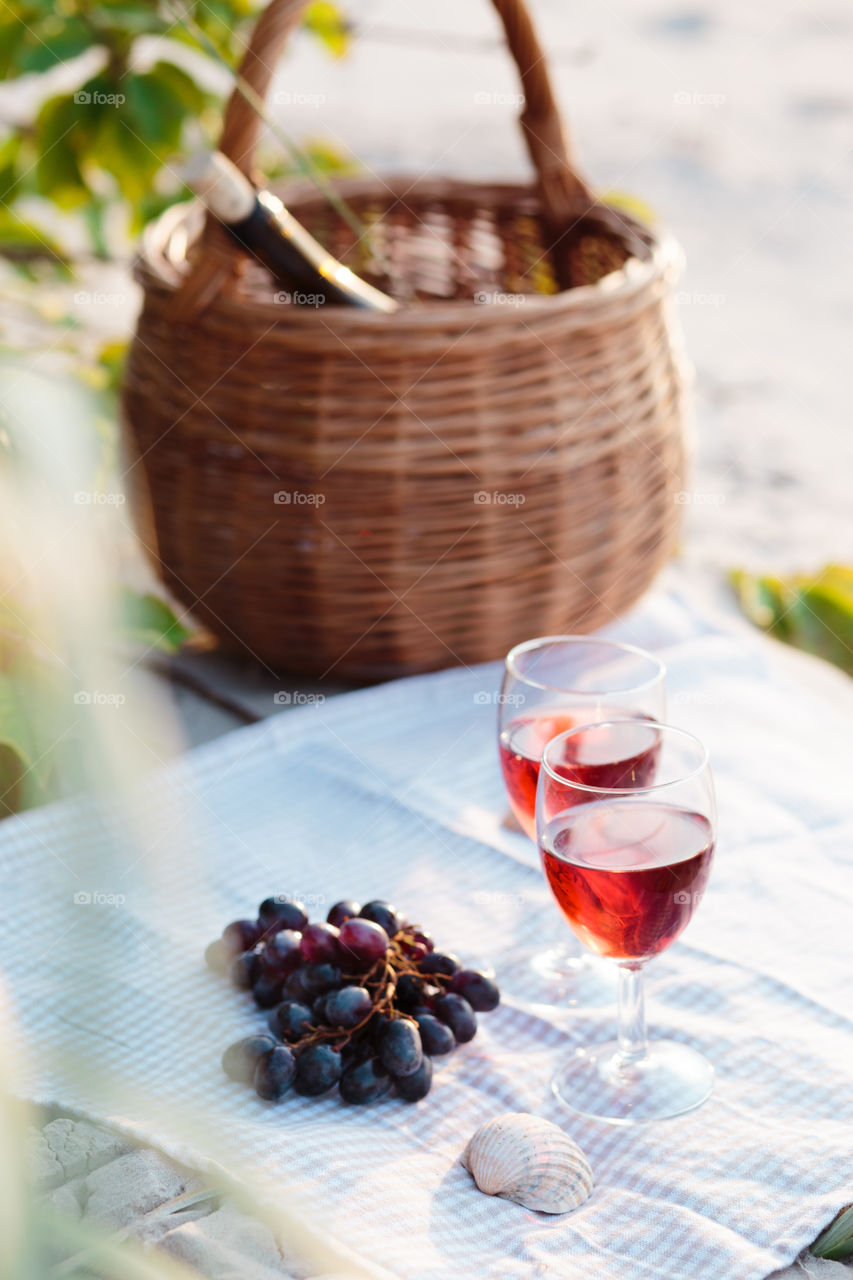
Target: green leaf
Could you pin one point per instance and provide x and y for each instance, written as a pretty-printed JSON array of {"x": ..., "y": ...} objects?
[
  {"x": 59, "y": 126},
  {"x": 326, "y": 21},
  {"x": 150, "y": 621},
  {"x": 155, "y": 111},
  {"x": 813, "y": 614},
  {"x": 25, "y": 238},
  {"x": 126, "y": 156},
  {"x": 836, "y": 1241},
  {"x": 53, "y": 41},
  {"x": 181, "y": 85}
]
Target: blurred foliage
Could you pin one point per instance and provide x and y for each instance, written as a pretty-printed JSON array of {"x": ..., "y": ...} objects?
[
  {"x": 836, "y": 1242},
  {"x": 109, "y": 140},
  {"x": 810, "y": 613},
  {"x": 38, "y": 748}
]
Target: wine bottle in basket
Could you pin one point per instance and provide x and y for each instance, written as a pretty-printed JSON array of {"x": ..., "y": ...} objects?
[{"x": 266, "y": 229}]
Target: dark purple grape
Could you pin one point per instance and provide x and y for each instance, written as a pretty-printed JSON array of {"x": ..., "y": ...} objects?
[
  {"x": 481, "y": 993},
  {"x": 400, "y": 1046},
  {"x": 281, "y": 953},
  {"x": 218, "y": 956},
  {"x": 413, "y": 1087},
  {"x": 282, "y": 912},
  {"x": 365, "y": 1082},
  {"x": 356, "y": 1051},
  {"x": 244, "y": 969},
  {"x": 409, "y": 993},
  {"x": 342, "y": 911},
  {"x": 317, "y": 1068},
  {"x": 320, "y": 944},
  {"x": 436, "y": 1038},
  {"x": 318, "y": 1009},
  {"x": 241, "y": 935},
  {"x": 267, "y": 991},
  {"x": 239, "y": 1060},
  {"x": 383, "y": 914},
  {"x": 439, "y": 962},
  {"x": 459, "y": 1016},
  {"x": 348, "y": 1007},
  {"x": 296, "y": 988},
  {"x": 320, "y": 978},
  {"x": 377, "y": 1025},
  {"x": 291, "y": 1021},
  {"x": 417, "y": 946},
  {"x": 275, "y": 1073},
  {"x": 362, "y": 943}
]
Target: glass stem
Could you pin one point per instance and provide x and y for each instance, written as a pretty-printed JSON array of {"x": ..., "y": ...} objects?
[{"x": 633, "y": 1045}]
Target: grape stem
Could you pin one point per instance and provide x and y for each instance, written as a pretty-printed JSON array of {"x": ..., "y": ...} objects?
[{"x": 383, "y": 975}]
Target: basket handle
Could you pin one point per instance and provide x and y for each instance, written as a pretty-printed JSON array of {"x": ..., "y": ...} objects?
[{"x": 563, "y": 192}]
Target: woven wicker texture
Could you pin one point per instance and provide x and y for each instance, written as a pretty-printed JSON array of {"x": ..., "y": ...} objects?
[{"x": 340, "y": 491}]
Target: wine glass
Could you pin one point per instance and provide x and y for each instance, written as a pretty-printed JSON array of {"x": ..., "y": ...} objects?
[
  {"x": 626, "y": 849},
  {"x": 552, "y": 684}
]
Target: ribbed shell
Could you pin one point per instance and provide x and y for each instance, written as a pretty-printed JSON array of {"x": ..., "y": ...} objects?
[{"x": 531, "y": 1161}]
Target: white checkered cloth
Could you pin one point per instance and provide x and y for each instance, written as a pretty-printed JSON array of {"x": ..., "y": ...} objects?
[{"x": 394, "y": 792}]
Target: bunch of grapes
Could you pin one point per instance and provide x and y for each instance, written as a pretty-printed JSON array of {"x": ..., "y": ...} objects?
[{"x": 363, "y": 1001}]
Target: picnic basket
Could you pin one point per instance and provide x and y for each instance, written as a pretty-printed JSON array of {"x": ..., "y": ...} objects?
[{"x": 346, "y": 492}]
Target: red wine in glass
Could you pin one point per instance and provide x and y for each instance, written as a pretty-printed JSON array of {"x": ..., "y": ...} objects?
[
  {"x": 627, "y": 874},
  {"x": 587, "y": 760}
]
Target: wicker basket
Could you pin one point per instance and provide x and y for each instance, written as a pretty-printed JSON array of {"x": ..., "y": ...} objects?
[{"x": 338, "y": 491}]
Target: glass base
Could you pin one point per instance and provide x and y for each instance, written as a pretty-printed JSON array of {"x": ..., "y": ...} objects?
[
  {"x": 672, "y": 1079},
  {"x": 560, "y": 977}
]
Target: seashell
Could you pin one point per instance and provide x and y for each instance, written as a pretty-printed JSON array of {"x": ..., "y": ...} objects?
[{"x": 531, "y": 1161}]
